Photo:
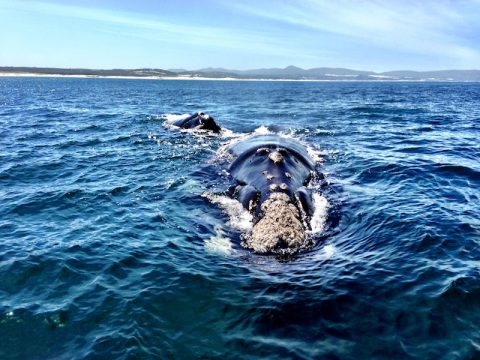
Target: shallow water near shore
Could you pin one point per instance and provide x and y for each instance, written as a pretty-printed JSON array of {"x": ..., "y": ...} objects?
[{"x": 112, "y": 248}]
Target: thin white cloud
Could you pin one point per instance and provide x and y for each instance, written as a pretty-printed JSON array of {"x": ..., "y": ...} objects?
[
  {"x": 423, "y": 28},
  {"x": 160, "y": 30},
  {"x": 362, "y": 34}
]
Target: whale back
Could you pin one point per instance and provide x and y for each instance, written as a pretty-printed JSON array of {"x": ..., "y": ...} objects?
[
  {"x": 198, "y": 121},
  {"x": 254, "y": 166}
]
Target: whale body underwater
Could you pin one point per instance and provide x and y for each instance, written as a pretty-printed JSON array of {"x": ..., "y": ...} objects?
[{"x": 271, "y": 174}]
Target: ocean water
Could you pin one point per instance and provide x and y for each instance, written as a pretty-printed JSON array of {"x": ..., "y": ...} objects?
[{"x": 117, "y": 241}]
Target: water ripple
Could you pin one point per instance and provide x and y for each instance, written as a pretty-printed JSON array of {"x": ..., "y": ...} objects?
[{"x": 104, "y": 226}]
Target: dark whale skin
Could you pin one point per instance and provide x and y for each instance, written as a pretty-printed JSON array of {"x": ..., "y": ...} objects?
[
  {"x": 255, "y": 172},
  {"x": 198, "y": 120}
]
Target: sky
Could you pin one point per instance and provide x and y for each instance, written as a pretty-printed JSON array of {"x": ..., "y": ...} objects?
[{"x": 377, "y": 35}]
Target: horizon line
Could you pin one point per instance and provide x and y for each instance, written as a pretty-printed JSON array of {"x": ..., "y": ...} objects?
[{"x": 230, "y": 69}]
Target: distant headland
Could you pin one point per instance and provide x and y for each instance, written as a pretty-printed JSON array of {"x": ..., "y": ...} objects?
[{"x": 288, "y": 73}]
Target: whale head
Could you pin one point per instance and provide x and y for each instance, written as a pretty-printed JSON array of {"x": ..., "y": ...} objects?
[{"x": 279, "y": 229}]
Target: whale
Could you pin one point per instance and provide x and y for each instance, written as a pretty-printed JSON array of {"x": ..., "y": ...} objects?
[
  {"x": 271, "y": 175},
  {"x": 198, "y": 121}
]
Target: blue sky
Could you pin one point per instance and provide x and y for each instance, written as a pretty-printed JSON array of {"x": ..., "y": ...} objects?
[{"x": 365, "y": 35}]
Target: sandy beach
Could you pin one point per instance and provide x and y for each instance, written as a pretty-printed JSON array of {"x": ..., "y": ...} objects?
[{"x": 202, "y": 78}]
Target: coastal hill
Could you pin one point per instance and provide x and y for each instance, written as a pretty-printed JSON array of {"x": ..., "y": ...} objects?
[{"x": 289, "y": 73}]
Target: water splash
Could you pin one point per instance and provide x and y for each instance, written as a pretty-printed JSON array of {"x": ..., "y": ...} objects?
[
  {"x": 239, "y": 217},
  {"x": 320, "y": 213},
  {"x": 219, "y": 244}
]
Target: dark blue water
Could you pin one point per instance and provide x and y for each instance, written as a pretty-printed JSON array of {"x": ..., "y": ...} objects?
[{"x": 104, "y": 228}]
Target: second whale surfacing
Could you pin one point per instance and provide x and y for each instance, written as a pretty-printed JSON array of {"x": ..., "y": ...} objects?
[
  {"x": 271, "y": 175},
  {"x": 198, "y": 121}
]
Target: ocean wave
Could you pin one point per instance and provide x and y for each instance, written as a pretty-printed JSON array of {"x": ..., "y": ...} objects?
[{"x": 109, "y": 249}]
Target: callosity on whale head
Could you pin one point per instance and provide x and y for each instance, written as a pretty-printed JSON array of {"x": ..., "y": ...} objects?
[
  {"x": 271, "y": 174},
  {"x": 200, "y": 121}
]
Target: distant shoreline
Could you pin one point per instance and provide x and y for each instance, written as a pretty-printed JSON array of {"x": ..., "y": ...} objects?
[
  {"x": 202, "y": 78},
  {"x": 290, "y": 73}
]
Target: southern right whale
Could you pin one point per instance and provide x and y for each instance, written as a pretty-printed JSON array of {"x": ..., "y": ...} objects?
[{"x": 271, "y": 175}]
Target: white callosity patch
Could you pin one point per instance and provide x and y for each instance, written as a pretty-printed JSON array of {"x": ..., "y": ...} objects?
[{"x": 280, "y": 226}]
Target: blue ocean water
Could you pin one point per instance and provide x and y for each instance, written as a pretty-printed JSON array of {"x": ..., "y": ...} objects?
[{"x": 111, "y": 250}]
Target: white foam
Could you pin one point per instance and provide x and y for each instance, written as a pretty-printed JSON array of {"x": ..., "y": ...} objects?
[
  {"x": 262, "y": 130},
  {"x": 223, "y": 152},
  {"x": 191, "y": 185},
  {"x": 324, "y": 131},
  {"x": 227, "y": 133},
  {"x": 320, "y": 212},
  {"x": 327, "y": 152},
  {"x": 329, "y": 251},
  {"x": 219, "y": 243},
  {"x": 169, "y": 183},
  {"x": 326, "y": 253},
  {"x": 239, "y": 217},
  {"x": 314, "y": 154}
]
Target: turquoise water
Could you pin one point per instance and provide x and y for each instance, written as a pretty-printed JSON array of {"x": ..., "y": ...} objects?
[{"x": 116, "y": 241}]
